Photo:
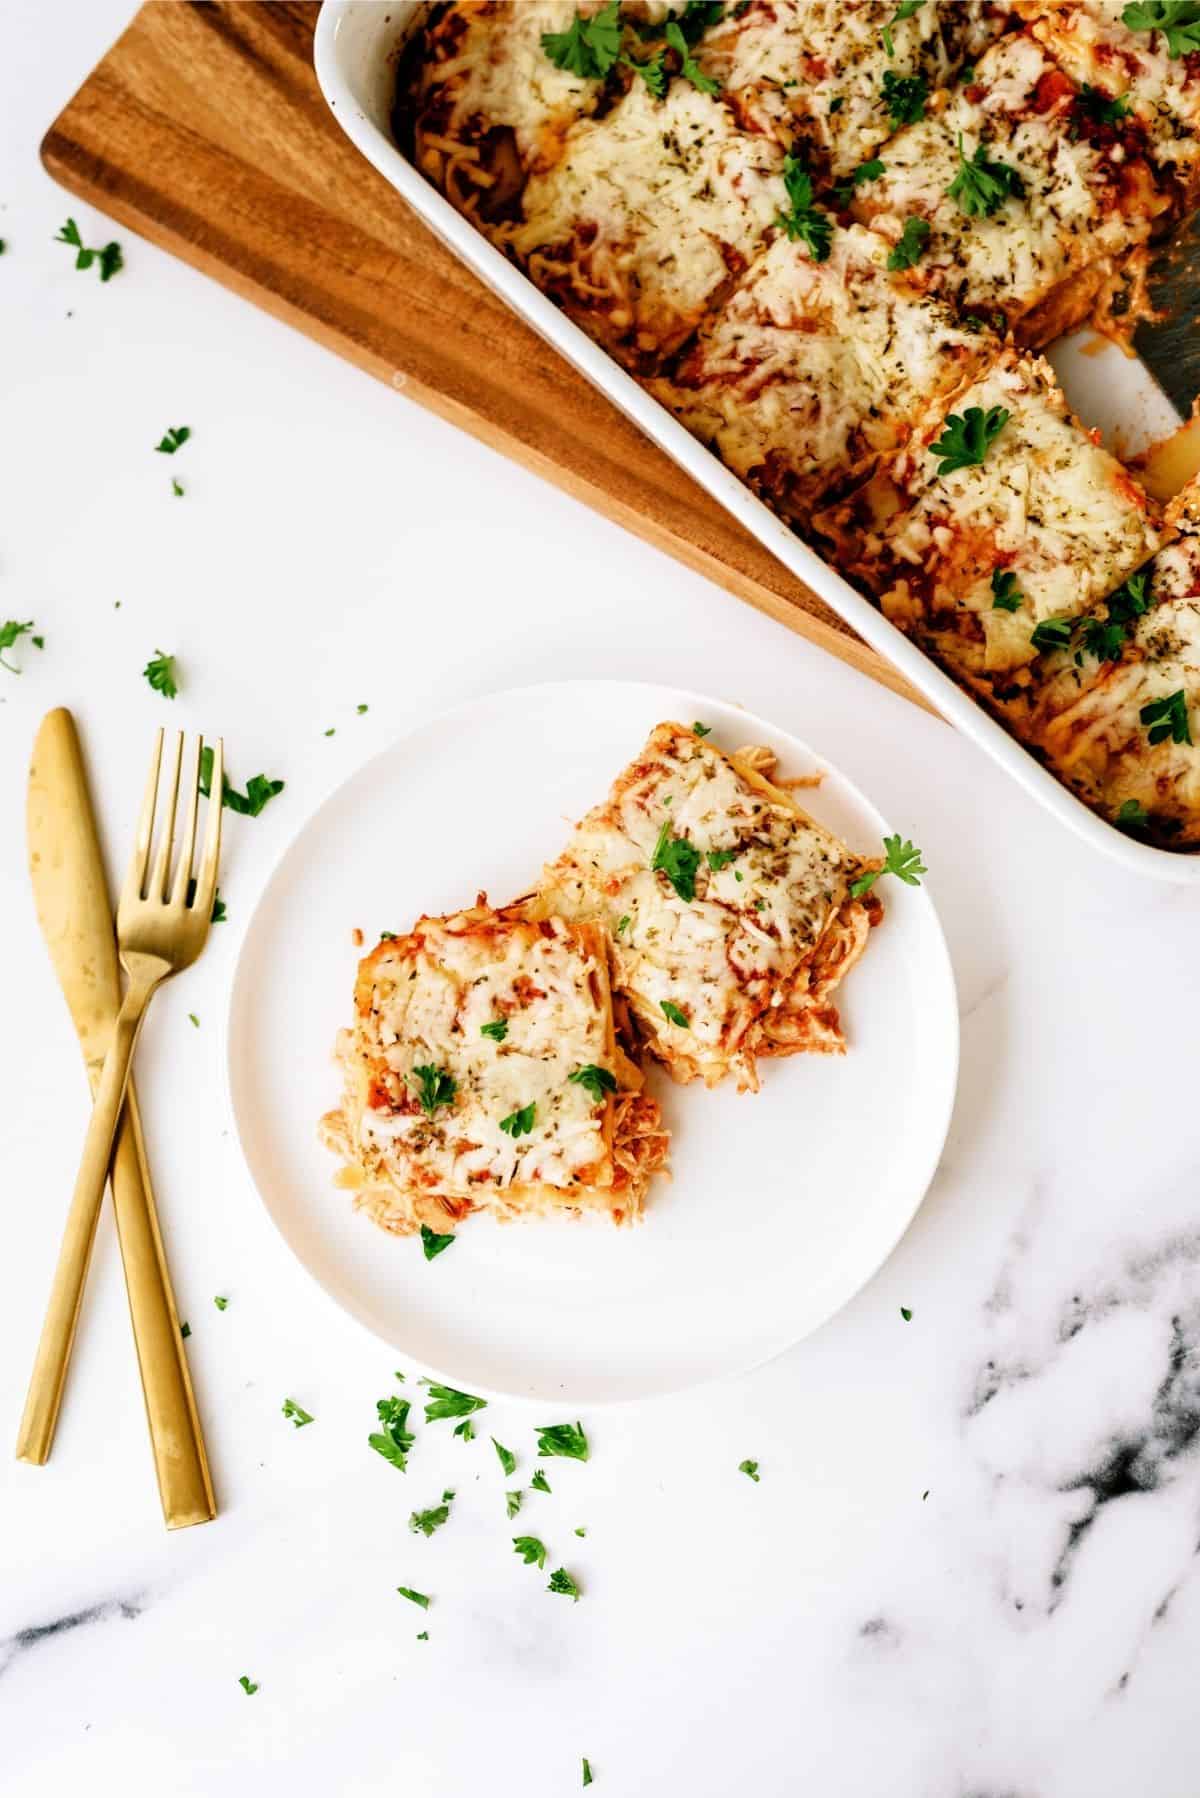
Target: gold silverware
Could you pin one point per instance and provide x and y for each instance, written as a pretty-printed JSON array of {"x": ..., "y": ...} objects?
[{"x": 159, "y": 932}]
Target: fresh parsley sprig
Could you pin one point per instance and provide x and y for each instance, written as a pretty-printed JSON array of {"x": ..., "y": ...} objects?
[
  {"x": 432, "y": 1244},
  {"x": 899, "y": 858},
  {"x": 589, "y": 46},
  {"x": 1178, "y": 20},
  {"x": 1053, "y": 633},
  {"x": 678, "y": 860},
  {"x": 564, "y": 1582},
  {"x": 531, "y": 1549},
  {"x": 565, "y": 1439},
  {"x": 395, "y": 1438},
  {"x": 982, "y": 185},
  {"x": 594, "y": 1080},
  {"x": 434, "y": 1087},
  {"x": 259, "y": 791},
  {"x": 173, "y": 439},
  {"x": 1167, "y": 718},
  {"x": 803, "y": 220},
  {"x": 909, "y": 248},
  {"x": 904, "y": 97},
  {"x": 109, "y": 258},
  {"x": 966, "y": 438},
  {"x": 9, "y": 633},
  {"x": 160, "y": 672},
  {"x": 448, "y": 1401},
  {"x": 520, "y": 1122}
]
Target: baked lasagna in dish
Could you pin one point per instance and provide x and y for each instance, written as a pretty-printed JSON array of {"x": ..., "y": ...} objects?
[
  {"x": 827, "y": 234},
  {"x": 731, "y": 912},
  {"x": 483, "y": 1072}
]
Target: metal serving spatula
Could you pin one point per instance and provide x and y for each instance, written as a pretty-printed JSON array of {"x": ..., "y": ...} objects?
[{"x": 1170, "y": 345}]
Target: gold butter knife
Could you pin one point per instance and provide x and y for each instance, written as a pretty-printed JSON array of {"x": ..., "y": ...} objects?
[{"x": 71, "y": 896}]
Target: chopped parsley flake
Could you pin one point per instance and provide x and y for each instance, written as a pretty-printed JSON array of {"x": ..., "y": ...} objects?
[
  {"x": 160, "y": 672},
  {"x": 719, "y": 858},
  {"x": 623, "y": 925},
  {"x": 981, "y": 186},
  {"x": 465, "y": 1429},
  {"x": 1167, "y": 718},
  {"x": 194, "y": 1019},
  {"x": 905, "y": 10},
  {"x": 750, "y": 1469},
  {"x": 448, "y": 1401},
  {"x": 512, "y": 1502},
  {"x": 507, "y": 1459},
  {"x": 702, "y": 730},
  {"x": 425, "y": 1522},
  {"x": 421, "y": 1598},
  {"x": 1005, "y": 594},
  {"x": 9, "y": 632},
  {"x": 899, "y": 858},
  {"x": 1132, "y": 816},
  {"x": 437, "y": 1087},
  {"x": 539, "y": 1482},
  {"x": 110, "y": 258},
  {"x": 248, "y": 1685},
  {"x": 907, "y": 252},
  {"x": 596, "y": 1081},
  {"x": 297, "y": 1413},
  {"x": 176, "y": 488},
  {"x": 674, "y": 1015},
  {"x": 173, "y": 439},
  {"x": 906, "y": 1314},
  {"x": 678, "y": 860},
  {"x": 185, "y": 1330},
  {"x": 1052, "y": 633},
  {"x": 220, "y": 1303},
  {"x": 531, "y": 1550},
  {"x": 966, "y": 438},
  {"x": 565, "y": 1439},
  {"x": 497, "y": 1030},
  {"x": 519, "y": 1123},
  {"x": 587, "y": 1771},
  {"x": 432, "y": 1243},
  {"x": 803, "y": 220},
  {"x": 249, "y": 804},
  {"x": 904, "y": 96},
  {"x": 395, "y": 1439},
  {"x": 564, "y": 1582}
]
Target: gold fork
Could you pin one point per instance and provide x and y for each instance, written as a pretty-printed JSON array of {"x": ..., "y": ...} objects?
[{"x": 158, "y": 934}]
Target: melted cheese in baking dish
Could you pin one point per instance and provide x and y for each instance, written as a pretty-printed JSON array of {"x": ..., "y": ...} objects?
[
  {"x": 813, "y": 70},
  {"x": 1040, "y": 258},
  {"x": 1047, "y": 505},
  {"x": 735, "y": 954},
  {"x": 508, "y": 1129},
  {"x": 648, "y": 216},
  {"x": 814, "y": 369}
]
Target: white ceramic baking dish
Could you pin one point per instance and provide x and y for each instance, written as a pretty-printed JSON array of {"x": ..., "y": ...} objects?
[{"x": 355, "y": 53}]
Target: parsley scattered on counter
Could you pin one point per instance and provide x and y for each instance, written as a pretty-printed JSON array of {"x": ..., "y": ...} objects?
[
  {"x": 173, "y": 439},
  {"x": 1167, "y": 718},
  {"x": 360, "y": 709},
  {"x": 581, "y": 1531},
  {"x": 9, "y": 632},
  {"x": 221, "y": 1303},
  {"x": 678, "y": 860},
  {"x": 905, "y": 10},
  {"x": 587, "y": 1771},
  {"x": 966, "y": 438},
  {"x": 110, "y": 259},
  {"x": 750, "y": 1469},
  {"x": 688, "y": 67},
  {"x": 1178, "y": 20},
  {"x": 512, "y": 1502},
  {"x": 259, "y": 790},
  {"x": 421, "y": 1598},
  {"x": 185, "y": 1330},
  {"x": 497, "y": 1029},
  {"x": 674, "y": 1015},
  {"x": 702, "y": 730},
  {"x": 432, "y": 1243},
  {"x": 804, "y": 221},
  {"x": 425, "y": 1522},
  {"x": 436, "y": 1087},
  {"x": 564, "y": 1582},
  {"x": 531, "y": 1550},
  {"x": 1005, "y": 595},
  {"x": 507, "y": 1459},
  {"x": 899, "y": 858},
  {"x": 448, "y": 1401},
  {"x": 589, "y": 46},
  {"x": 981, "y": 186},
  {"x": 1132, "y": 816},
  {"x": 465, "y": 1429},
  {"x": 519, "y": 1123},
  {"x": 160, "y": 672},
  {"x": 904, "y": 96},
  {"x": 248, "y": 1685},
  {"x": 539, "y": 1482},
  {"x": 395, "y": 1439},
  {"x": 332, "y": 731},
  {"x": 423, "y": 1634},
  {"x": 194, "y": 1018},
  {"x": 596, "y": 1081},
  {"x": 566, "y": 1439},
  {"x": 1052, "y": 633},
  {"x": 297, "y": 1413},
  {"x": 906, "y": 1314},
  {"x": 176, "y": 488}
]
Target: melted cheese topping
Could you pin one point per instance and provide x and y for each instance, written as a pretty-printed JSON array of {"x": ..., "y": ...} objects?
[
  {"x": 1047, "y": 505},
  {"x": 813, "y": 368},
  {"x": 649, "y": 214},
  {"x": 1077, "y": 205},
  {"x": 423, "y": 1001},
  {"x": 1093, "y": 44},
  {"x": 723, "y": 956},
  {"x": 815, "y": 68}
]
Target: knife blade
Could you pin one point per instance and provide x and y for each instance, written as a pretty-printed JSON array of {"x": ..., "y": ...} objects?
[{"x": 71, "y": 899}]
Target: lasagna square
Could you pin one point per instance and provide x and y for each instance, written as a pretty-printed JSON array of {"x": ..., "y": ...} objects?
[
  {"x": 730, "y": 910},
  {"x": 1027, "y": 206},
  {"x": 1000, "y": 519},
  {"x": 647, "y": 218},
  {"x": 813, "y": 370},
  {"x": 483, "y": 1073},
  {"x": 835, "y": 77}
]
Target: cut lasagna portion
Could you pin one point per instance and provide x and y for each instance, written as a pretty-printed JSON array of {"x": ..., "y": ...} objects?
[
  {"x": 838, "y": 76},
  {"x": 729, "y": 908},
  {"x": 647, "y": 219},
  {"x": 1115, "y": 711},
  {"x": 1017, "y": 200},
  {"x": 812, "y": 370},
  {"x": 483, "y": 1073},
  {"x": 482, "y": 104},
  {"x": 1001, "y": 519},
  {"x": 1142, "y": 71}
]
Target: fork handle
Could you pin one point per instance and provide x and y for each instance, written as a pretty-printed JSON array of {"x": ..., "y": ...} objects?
[{"x": 49, "y": 1375}]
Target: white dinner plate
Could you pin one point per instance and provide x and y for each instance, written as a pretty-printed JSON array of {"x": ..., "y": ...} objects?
[{"x": 782, "y": 1203}]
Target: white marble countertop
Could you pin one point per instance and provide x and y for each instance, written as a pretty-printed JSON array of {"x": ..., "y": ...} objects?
[{"x": 970, "y": 1567}]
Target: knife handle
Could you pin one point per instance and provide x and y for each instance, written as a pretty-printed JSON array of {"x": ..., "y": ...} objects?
[{"x": 180, "y": 1462}]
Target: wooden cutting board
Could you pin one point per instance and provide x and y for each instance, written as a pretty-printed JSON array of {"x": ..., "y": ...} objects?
[{"x": 204, "y": 130}]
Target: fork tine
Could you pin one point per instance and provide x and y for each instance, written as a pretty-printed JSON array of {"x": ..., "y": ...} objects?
[
  {"x": 183, "y": 872},
  {"x": 161, "y": 871},
  {"x": 135, "y": 878},
  {"x": 206, "y": 876}
]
